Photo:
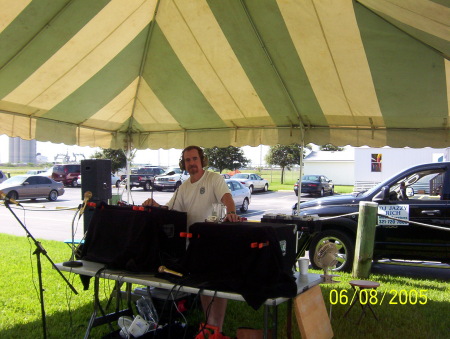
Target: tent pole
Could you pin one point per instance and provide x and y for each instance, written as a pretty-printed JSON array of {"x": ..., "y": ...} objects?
[
  {"x": 302, "y": 148},
  {"x": 128, "y": 168}
]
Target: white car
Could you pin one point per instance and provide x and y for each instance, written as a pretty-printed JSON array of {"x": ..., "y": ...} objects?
[
  {"x": 35, "y": 172},
  {"x": 241, "y": 194},
  {"x": 48, "y": 173},
  {"x": 172, "y": 179},
  {"x": 253, "y": 181},
  {"x": 115, "y": 181}
]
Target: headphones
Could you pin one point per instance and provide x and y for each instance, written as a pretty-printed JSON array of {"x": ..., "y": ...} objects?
[{"x": 203, "y": 157}]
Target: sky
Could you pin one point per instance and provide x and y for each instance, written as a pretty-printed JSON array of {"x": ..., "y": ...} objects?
[{"x": 151, "y": 157}]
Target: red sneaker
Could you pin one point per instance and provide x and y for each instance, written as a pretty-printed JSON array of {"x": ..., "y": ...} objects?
[
  {"x": 207, "y": 331},
  {"x": 210, "y": 332}
]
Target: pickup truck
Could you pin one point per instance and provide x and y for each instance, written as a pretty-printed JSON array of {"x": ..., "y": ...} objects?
[
  {"x": 427, "y": 202},
  {"x": 144, "y": 177},
  {"x": 172, "y": 179}
]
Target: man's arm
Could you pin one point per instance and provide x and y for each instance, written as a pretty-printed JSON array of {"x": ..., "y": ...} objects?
[{"x": 228, "y": 201}]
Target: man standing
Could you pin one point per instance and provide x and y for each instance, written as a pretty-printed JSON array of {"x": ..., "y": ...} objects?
[{"x": 196, "y": 197}]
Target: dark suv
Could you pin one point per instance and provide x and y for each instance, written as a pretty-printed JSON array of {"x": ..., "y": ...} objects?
[
  {"x": 421, "y": 230},
  {"x": 67, "y": 174}
]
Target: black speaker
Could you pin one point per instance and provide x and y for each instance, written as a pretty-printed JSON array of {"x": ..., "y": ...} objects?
[{"x": 96, "y": 178}]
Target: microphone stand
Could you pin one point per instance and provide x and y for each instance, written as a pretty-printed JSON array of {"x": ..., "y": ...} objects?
[
  {"x": 72, "y": 262},
  {"x": 38, "y": 251}
]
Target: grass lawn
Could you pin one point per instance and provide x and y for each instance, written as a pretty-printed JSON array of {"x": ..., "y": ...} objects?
[{"x": 68, "y": 314}]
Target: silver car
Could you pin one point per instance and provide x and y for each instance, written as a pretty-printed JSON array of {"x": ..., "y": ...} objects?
[
  {"x": 32, "y": 187},
  {"x": 253, "y": 181},
  {"x": 241, "y": 194}
]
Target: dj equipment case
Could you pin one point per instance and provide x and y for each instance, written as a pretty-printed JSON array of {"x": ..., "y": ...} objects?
[
  {"x": 253, "y": 259},
  {"x": 135, "y": 239}
]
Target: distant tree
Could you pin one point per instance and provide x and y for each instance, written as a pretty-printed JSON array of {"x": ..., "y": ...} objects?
[
  {"x": 284, "y": 156},
  {"x": 117, "y": 157},
  {"x": 330, "y": 147},
  {"x": 227, "y": 157}
]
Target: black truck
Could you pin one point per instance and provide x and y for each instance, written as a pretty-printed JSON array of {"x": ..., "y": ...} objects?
[
  {"x": 422, "y": 233},
  {"x": 144, "y": 177}
]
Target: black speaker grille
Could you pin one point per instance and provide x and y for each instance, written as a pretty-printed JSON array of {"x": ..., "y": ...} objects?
[{"x": 96, "y": 178}]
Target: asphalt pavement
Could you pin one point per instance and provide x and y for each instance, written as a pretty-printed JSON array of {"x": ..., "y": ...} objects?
[
  {"x": 53, "y": 220},
  {"x": 47, "y": 220}
]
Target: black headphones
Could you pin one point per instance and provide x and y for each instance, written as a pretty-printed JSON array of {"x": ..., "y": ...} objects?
[{"x": 203, "y": 157}]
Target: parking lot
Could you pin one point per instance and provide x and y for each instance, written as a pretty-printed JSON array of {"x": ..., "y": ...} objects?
[{"x": 53, "y": 220}]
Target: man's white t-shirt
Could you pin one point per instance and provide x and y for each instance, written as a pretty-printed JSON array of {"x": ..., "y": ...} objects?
[{"x": 197, "y": 198}]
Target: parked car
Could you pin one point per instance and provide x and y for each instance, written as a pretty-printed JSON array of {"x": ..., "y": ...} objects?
[
  {"x": 3, "y": 176},
  {"x": 32, "y": 187},
  {"x": 34, "y": 172},
  {"x": 241, "y": 194},
  {"x": 315, "y": 184},
  {"x": 144, "y": 177},
  {"x": 48, "y": 173},
  {"x": 115, "y": 181},
  {"x": 66, "y": 173},
  {"x": 253, "y": 181},
  {"x": 421, "y": 230},
  {"x": 172, "y": 179},
  {"x": 225, "y": 176}
]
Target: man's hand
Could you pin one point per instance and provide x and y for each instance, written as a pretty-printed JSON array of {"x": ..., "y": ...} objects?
[
  {"x": 232, "y": 217},
  {"x": 150, "y": 202}
]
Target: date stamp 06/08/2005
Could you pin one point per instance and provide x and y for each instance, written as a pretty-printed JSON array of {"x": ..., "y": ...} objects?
[{"x": 375, "y": 297}]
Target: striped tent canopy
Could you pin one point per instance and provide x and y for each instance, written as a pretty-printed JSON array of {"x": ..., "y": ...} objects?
[{"x": 168, "y": 73}]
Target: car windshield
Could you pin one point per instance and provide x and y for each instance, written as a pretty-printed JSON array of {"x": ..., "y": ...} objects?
[
  {"x": 410, "y": 179},
  {"x": 241, "y": 176},
  {"x": 172, "y": 171},
  {"x": 72, "y": 168},
  {"x": 18, "y": 179},
  {"x": 310, "y": 177}
]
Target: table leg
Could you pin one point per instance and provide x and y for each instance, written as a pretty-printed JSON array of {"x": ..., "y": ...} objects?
[
  {"x": 94, "y": 313},
  {"x": 108, "y": 318},
  {"x": 289, "y": 320},
  {"x": 270, "y": 311}
]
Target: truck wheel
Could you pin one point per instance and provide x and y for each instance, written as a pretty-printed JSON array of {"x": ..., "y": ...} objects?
[
  {"x": 147, "y": 186},
  {"x": 322, "y": 192},
  {"x": 345, "y": 246}
]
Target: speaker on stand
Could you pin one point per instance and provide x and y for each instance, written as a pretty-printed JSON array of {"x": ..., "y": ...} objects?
[{"x": 95, "y": 178}]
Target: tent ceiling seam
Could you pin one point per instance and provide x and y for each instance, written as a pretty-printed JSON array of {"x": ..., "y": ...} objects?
[
  {"x": 272, "y": 64},
  {"x": 211, "y": 65},
  {"x": 44, "y": 27},
  {"x": 405, "y": 32},
  {"x": 334, "y": 62},
  {"x": 142, "y": 65}
]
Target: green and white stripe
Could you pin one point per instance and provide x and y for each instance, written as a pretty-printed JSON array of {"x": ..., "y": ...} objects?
[{"x": 170, "y": 73}]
